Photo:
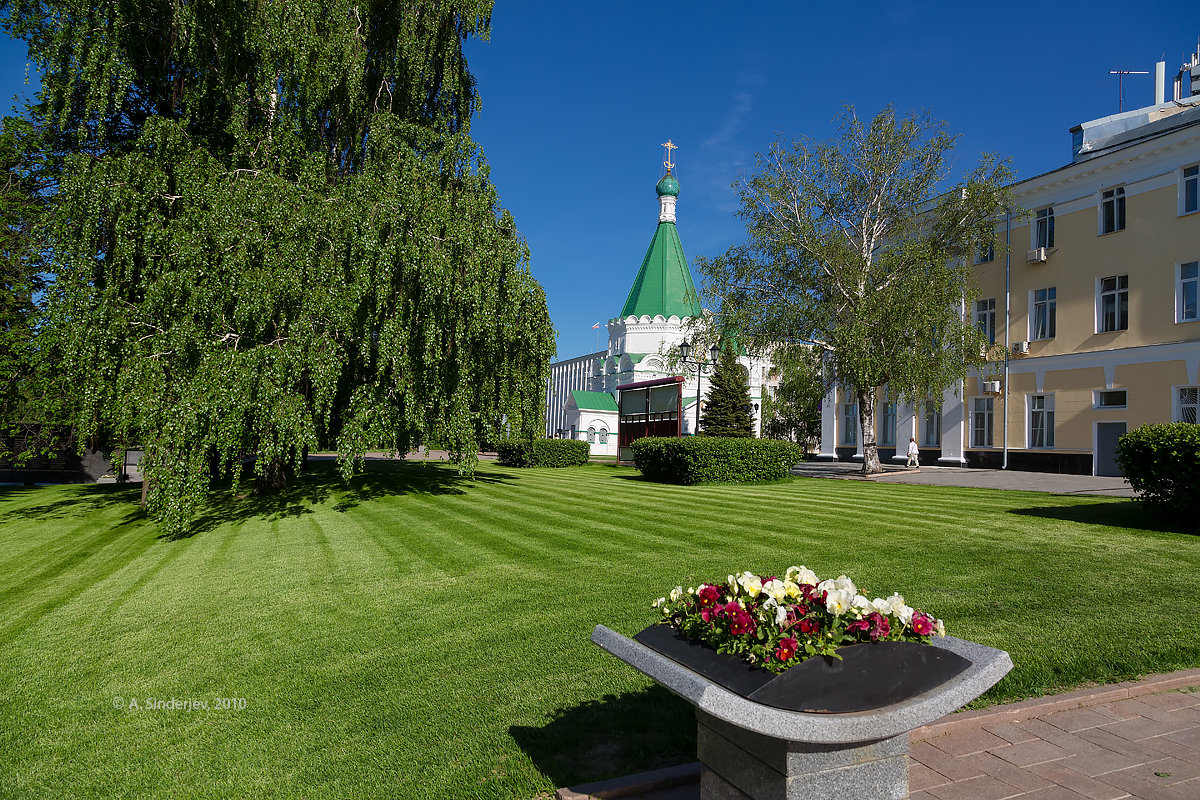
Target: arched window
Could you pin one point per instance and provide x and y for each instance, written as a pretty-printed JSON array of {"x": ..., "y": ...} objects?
[
  {"x": 591, "y": 435},
  {"x": 604, "y": 436}
]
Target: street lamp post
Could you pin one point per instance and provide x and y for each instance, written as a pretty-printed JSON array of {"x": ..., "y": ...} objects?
[{"x": 685, "y": 350}]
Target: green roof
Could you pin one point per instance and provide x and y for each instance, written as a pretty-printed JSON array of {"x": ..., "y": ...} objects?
[
  {"x": 593, "y": 401},
  {"x": 663, "y": 285}
]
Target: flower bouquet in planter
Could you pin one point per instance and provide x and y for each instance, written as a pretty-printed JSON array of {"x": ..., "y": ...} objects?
[{"x": 776, "y": 623}]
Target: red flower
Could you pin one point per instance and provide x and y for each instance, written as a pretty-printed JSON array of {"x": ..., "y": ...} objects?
[
  {"x": 708, "y": 595},
  {"x": 810, "y": 627},
  {"x": 787, "y": 649},
  {"x": 739, "y": 620},
  {"x": 875, "y": 625},
  {"x": 922, "y": 624}
]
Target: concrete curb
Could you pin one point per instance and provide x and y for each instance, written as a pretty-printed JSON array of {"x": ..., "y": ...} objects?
[{"x": 1021, "y": 711}]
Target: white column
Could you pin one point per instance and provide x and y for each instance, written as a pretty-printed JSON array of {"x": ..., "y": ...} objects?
[
  {"x": 953, "y": 426},
  {"x": 829, "y": 427},
  {"x": 906, "y": 428}
]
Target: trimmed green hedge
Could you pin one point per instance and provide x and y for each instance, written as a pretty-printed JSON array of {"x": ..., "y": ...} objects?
[
  {"x": 543, "y": 453},
  {"x": 1162, "y": 463},
  {"x": 714, "y": 459}
]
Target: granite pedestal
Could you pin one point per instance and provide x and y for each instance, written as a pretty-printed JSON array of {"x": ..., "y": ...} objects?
[{"x": 752, "y": 751}]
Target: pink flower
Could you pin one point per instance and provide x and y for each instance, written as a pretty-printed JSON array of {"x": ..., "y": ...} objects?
[
  {"x": 739, "y": 620},
  {"x": 787, "y": 649},
  {"x": 875, "y": 625},
  {"x": 922, "y": 624}
]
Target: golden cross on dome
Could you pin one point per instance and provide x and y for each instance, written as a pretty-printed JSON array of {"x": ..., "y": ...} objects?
[{"x": 669, "y": 145}]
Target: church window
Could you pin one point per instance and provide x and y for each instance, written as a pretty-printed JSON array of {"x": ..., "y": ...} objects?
[{"x": 591, "y": 435}]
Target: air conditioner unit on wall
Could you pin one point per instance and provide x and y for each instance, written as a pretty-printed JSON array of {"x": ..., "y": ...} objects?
[
  {"x": 1020, "y": 348},
  {"x": 990, "y": 387},
  {"x": 1037, "y": 255}
]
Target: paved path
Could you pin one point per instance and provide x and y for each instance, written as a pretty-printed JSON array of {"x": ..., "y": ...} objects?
[
  {"x": 977, "y": 478},
  {"x": 1138, "y": 740}
]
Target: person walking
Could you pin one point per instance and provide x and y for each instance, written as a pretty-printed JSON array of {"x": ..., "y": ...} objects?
[{"x": 914, "y": 454}]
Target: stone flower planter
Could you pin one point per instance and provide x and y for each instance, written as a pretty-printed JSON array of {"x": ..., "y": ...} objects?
[{"x": 823, "y": 729}]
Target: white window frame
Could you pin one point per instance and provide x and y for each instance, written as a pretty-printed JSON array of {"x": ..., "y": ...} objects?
[
  {"x": 1051, "y": 313},
  {"x": 603, "y": 433},
  {"x": 985, "y": 317},
  {"x": 1114, "y": 196},
  {"x": 887, "y": 424},
  {"x": 1189, "y": 179},
  {"x": 931, "y": 410},
  {"x": 591, "y": 435},
  {"x": 1181, "y": 285},
  {"x": 989, "y": 414},
  {"x": 1116, "y": 292},
  {"x": 1046, "y": 411},
  {"x": 1178, "y": 404},
  {"x": 985, "y": 253},
  {"x": 1042, "y": 230},
  {"x": 1097, "y": 394}
]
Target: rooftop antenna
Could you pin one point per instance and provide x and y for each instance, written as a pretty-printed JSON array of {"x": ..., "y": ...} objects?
[{"x": 1121, "y": 73}]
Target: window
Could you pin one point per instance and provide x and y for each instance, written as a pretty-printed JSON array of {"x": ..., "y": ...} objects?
[
  {"x": 1044, "y": 303},
  {"x": 591, "y": 435},
  {"x": 981, "y": 421},
  {"x": 1112, "y": 210},
  {"x": 985, "y": 252},
  {"x": 931, "y": 427},
  {"x": 1187, "y": 287},
  {"x": 1114, "y": 398},
  {"x": 604, "y": 436},
  {"x": 887, "y": 424},
  {"x": 1187, "y": 404},
  {"x": 985, "y": 318},
  {"x": 850, "y": 424},
  {"x": 1114, "y": 303},
  {"x": 1041, "y": 420},
  {"x": 1043, "y": 228},
  {"x": 1189, "y": 190}
]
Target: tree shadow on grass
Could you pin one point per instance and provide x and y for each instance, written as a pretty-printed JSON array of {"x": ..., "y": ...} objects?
[
  {"x": 1128, "y": 514},
  {"x": 614, "y": 736},
  {"x": 318, "y": 484},
  {"x": 321, "y": 483}
]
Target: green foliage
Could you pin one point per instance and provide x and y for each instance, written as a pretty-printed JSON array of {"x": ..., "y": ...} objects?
[
  {"x": 727, "y": 410},
  {"x": 792, "y": 411},
  {"x": 275, "y": 234},
  {"x": 1162, "y": 464},
  {"x": 712, "y": 459},
  {"x": 853, "y": 247},
  {"x": 543, "y": 452}
]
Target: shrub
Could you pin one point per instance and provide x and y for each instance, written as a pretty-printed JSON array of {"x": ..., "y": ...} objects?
[
  {"x": 714, "y": 459},
  {"x": 543, "y": 452},
  {"x": 1162, "y": 463}
]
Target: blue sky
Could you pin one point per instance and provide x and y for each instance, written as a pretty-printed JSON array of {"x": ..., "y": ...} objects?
[{"x": 577, "y": 97}]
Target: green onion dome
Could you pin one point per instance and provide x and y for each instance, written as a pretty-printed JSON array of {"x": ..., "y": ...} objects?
[{"x": 668, "y": 186}]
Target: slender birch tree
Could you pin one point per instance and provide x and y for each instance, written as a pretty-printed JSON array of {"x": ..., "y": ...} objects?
[
  {"x": 860, "y": 247},
  {"x": 275, "y": 233}
]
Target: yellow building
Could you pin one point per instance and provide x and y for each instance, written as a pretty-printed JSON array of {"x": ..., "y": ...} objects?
[{"x": 1094, "y": 309}]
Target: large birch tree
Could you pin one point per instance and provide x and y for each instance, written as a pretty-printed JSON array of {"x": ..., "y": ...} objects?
[
  {"x": 275, "y": 233},
  {"x": 861, "y": 247}
]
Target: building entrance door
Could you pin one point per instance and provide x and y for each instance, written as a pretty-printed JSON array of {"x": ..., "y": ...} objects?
[{"x": 1107, "y": 434}]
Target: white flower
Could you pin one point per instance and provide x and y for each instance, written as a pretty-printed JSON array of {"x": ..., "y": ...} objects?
[
  {"x": 890, "y": 606},
  {"x": 791, "y": 589},
  {"x": 802, "y": 575},
  {"x": 939, "y": 627},
  {"x": 676, "y": 594},
  {"x": 751, "y": 583},
  {"x": 658, "y": 602},
  {"x": 837, "y": 601},
  {"x": 733, "y": 584},
  {"x": 860, "y": 605},
  {"x": 776, "y": 590},
  {"x": 781, "y": 614},
  {"x": 905, "y": 613}
]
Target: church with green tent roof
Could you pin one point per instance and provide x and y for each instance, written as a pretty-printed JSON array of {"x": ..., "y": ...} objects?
[{"x": 582, "y": 398}]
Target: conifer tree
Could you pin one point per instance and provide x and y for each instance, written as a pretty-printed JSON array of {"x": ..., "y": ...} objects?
[
  {"x": 727, "y": 404},
  {"x": 275, "y": 233}
]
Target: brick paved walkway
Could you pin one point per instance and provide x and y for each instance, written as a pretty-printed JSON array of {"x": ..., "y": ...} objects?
[{"x": 1138, "y": 740}]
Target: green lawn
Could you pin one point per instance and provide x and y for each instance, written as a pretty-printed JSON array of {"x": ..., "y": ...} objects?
[{"x": 419, "y": 635}]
